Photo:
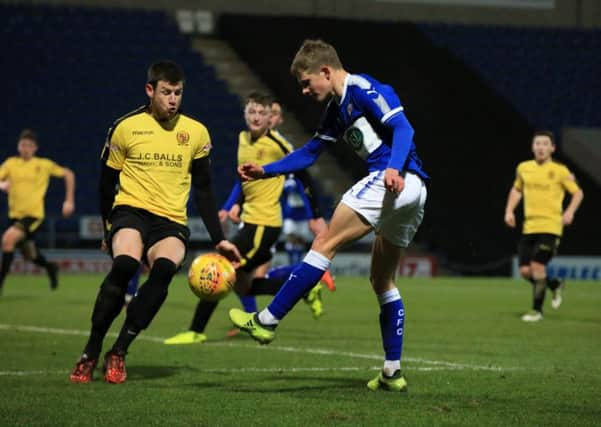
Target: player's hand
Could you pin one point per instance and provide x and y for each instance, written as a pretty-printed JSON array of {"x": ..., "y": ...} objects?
[
  {"x": 103, "y": 246},
  {"x": 5, "y": 185},
  {"x": 230, "y": 251},
  {"x": 222, "y": 214},
  {"x": 68, "y": 208},
  {"x": 393, "y": 181},
  {"x": 567, "y": 218},
  {"x": 250, "y": 171},
  {"x": 510, "y": 219},
  {"x": 234, "y": 214},
  {"x": 318, "y": 226}
]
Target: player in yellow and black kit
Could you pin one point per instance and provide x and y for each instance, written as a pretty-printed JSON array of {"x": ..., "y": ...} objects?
[
  {"x": 261, "y": 214},
  {"x": 542, "y": 183},
  {"x": 25, "y": 177},
  {"x": 156, "y": 154}
]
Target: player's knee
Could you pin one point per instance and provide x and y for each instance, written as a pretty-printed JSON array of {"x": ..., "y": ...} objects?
[
  {"x": 162, "y": 271},
  {"x": 9, "y": 241},
  {"x": 124, "y": 268},
  {"x": 538, "y": 272}
]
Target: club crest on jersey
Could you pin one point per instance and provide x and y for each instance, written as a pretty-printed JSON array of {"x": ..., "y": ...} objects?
[
  {"x": 354, "y": 137},
  {"x": 551, "y": 175},
  {"x": 183, "y": 137}
]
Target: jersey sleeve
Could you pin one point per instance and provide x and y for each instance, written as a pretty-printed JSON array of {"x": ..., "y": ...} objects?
[
  {"x": 203, "y": 148},
  {"x": 568, "y": 181},
  {"x": 114, "y": 152},
  {"x": 379, "y": 102},
  {"x": 54, "y": 169},
  {"x": 518, "y": 183}
]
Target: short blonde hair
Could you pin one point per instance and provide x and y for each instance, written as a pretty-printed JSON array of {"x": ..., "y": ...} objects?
[{"x": 312, "y": 55}]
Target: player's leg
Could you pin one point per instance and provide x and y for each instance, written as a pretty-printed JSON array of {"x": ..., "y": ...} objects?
[
  {"x": 555, "y": 284},
  {"x": 545, "y": 247},
  {"x": 127, "y": 247},
  {"x": 132, "y": 286},
  {"x": 293, "y": 249},
  {"x": 526, "y": 249},
  {"x": 166, "y": 244},
  {"x": 401, "y": 216},
  {"x": 539, "y": 286},
  {"x": 10, "y": 239},
  {"x": 346, "y": 226},
  {"x": 385, "y": 263},
  {"x": 32, "y": 253},
  {"x": 164, "y": 257}
]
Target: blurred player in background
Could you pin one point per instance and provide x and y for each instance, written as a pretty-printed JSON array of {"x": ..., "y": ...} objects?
[
  {"x": 25, "y": 178},
  {"x": 260, "y": 219},
  {"x": 542, "y": 184},
  {"x": 157, "y": 154},
  {"x": 369, "y": 117}
]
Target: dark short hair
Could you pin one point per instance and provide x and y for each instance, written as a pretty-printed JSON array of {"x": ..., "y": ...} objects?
[
  {"x": 28, "y": 134},
  {"x": 259, "y": 98},
  {"x": 546, "y": 133},
  {"x": 167, "y": 71}
]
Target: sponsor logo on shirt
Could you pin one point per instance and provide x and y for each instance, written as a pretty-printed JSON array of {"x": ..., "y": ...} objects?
[{"x": 354, "y": 137}]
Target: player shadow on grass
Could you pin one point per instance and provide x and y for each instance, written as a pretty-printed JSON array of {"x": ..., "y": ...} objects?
[
  {"x": 271, "y": 383},
  {"x": 152, "y": 372}
]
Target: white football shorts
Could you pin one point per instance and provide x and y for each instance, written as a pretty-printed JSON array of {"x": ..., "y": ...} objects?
[
  {"x": 298, "y": 228},
  {"x": 394, "y": 217}
]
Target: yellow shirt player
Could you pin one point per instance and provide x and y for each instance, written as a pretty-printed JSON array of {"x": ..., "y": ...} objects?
[
  {"x": 261, "y": 219},
  {"x": 542, "y": 183},
  {"x": 261, "y": 209},
  {"x": 262, "y": 198},
  {"x": 25, "y": 178},
  {"x": 152, "y": 159}
]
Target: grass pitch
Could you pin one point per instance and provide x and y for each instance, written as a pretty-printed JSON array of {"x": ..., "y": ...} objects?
[{"x": 467, "y": 356}]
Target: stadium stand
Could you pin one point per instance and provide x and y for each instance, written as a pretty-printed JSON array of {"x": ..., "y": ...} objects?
[
  {"x": 474, "y": 95},
  {"x": 73, "y": 71}
]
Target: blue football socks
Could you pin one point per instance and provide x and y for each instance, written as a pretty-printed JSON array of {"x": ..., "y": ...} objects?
[
  {"x": 304, "y": 277},
  {"x": 392, "y": 319}
]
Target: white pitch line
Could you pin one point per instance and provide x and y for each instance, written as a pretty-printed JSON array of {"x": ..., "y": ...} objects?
[
  {"x": 239, "y": 370},
  {"x": 439, "y": 364}
]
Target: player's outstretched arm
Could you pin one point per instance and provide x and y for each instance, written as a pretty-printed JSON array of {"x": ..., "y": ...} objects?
[{"x": 69, "y": 203}]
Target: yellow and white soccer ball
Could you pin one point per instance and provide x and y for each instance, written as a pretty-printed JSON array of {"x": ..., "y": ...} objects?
[{"x": 211, "y": 276}]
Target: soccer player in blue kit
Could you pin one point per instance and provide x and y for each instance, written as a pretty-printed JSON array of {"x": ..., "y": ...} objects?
[{"x": 390, "y": 200}]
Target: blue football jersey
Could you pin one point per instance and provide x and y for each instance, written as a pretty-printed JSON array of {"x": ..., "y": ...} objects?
[
  {"x": 295, "y": 204},
  {"x": 369, "y": 117}
]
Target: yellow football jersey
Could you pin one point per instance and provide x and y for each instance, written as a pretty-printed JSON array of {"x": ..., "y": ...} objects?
[
  {"x": 543, "y": 187},
  {"x": 28, "y": 184},
  {"x": 262, "y": 196},
  {"x": 155, "y": 159}
]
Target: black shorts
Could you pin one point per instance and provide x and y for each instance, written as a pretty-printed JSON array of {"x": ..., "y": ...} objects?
[
  {"x": 152, "y": 228},
  {"x": 538, "y": 247},
  {"x": 254, "y": 243},
  {"x": 28, "y": 224}
]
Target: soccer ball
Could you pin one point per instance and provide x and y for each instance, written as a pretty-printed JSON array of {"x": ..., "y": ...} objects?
[{"x": 211, "y": 276}]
